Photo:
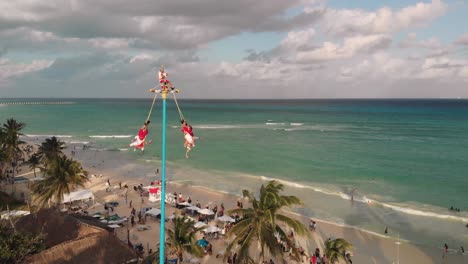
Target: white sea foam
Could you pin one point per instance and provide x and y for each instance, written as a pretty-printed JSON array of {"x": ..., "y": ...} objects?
[
  {"x": 364, "y": 199},
  {"x": 123, "y": 149},
  {"x": 216, "y": 126},
  {"x": 274, "y": 124},
  {"x": 296, "y": 124},
  {"x": 314, "y": 128},
  {"x": 79, "y": 142},
  {"x": 48, "y": 136},
  {"x": 110, "y": 136}
]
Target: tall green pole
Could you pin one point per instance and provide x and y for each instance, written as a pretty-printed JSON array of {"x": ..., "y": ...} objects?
[{"x": 162, "y": 240}]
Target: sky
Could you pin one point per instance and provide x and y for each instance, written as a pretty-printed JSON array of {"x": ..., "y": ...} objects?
[{"x": 224, "y": 49}]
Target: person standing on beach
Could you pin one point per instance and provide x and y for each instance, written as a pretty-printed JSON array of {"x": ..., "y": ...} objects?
[{"x": 445, "y": 250}]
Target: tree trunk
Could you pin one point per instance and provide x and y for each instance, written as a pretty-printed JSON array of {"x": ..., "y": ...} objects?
[{"x": 181, "y": 258}]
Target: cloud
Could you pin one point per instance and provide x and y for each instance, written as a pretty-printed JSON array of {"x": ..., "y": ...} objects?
[
  {"x": 385, "y": 20},
  {"x": 350, "y": 47},
  {"x": 462, "y": 40},
  {"x": 9, "y": 69},
  {"x": 113, "y": 49},
  {"x": 411, "y": 41},
  {"x": 151, "y": 24}
]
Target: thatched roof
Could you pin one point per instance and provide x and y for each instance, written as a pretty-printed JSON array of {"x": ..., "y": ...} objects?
[
  {"x": 94, "y": 248},
  {"x": 70, "y": 241},
  {"x": 56, "y": 227}
]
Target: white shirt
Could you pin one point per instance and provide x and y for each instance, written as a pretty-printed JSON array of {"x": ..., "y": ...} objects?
[{"x": 162, "y": 75}]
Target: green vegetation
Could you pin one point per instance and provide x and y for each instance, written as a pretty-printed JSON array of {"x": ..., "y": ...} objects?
[
  {"x": 50, "y": 150},
  {"x": 10, "y": 143},
  {"x": 180, "y": 239},
  {"x": 261, "y": 221},
  {"x": 61, "y": 176},
  {"x": 13, "y": 204},
  {"x": 15, "y": 246},
  {"x": 336, "y": 249},
  {"x": 34, "y": 162}
]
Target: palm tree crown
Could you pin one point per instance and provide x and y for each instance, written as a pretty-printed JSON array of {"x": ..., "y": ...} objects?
[
  {"x": 10, "y": 142},
  {"x": 180, "y": 239},
  {"x": 50, "y": 149},
  {"x": 261, "y": 222},
  {"x": 336, "y": 249},
  {"x": 34, "y": 162},
  {"x": 62, "y": 176}
]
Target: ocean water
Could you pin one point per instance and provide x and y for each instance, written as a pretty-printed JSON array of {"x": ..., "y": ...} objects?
[{"x": 365, "y": 163}]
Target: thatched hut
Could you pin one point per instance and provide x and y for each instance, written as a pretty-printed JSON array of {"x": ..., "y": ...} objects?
[{"x": 69, "y": 240}]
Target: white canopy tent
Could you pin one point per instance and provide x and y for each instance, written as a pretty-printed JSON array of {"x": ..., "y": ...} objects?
[
  {"x": 184, "y": 204},
  {"x": 13, "y": 213},
  {"x": 192, "y": 208},
  {"x": 199, "y": 224},
  {"x": 153, "y": 212},
  {"x": 226, "y": 218},
  {"x": 205, "y": 212},
  {"x": 212, "y": 229},
  {"x": 80, "y": 195}
]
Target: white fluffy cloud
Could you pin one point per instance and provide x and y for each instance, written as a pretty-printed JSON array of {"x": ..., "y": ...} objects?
[
  {"x": 117, "y": 45},
  {"x": 385, "y": 20},
  {"x": 462, "y": 40},
  {"x": 9, "y": 69},
  {"x": 350, "y": 47}
]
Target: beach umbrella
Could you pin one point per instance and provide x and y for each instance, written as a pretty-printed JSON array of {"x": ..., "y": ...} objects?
[
  {"x": 226, "y": 218},
  {"x": 192, "y": 208},
  {"x": 171, "y": 217},
  {"x": 188, "y": 219},
  {"x": 206, "y": 212},
  {"x": 202, "y": 242},
  {"x": 184, "y": 204},
  {"x": 199, "y": 224},
  {"x": 212, "y": 229},
  {"x": 154, "y": 212}
]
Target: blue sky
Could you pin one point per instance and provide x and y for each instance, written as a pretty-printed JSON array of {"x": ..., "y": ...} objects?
[{"x": 242, "y": 49}]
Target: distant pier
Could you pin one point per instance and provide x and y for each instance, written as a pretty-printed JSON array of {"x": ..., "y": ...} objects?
[{"x": 36, "y": 103}]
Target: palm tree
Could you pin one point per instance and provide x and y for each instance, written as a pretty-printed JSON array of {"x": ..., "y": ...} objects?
[
  {"x": 34, "y": 162},
  {"x": 336, "y": 249},
  {"x": 50, "y": 149},
  {"x": 11, "y": 142},
  {"x": 62, "y": 176},
  {"x": 261, "y": 221},
  {"x": 179, "y": 240}
]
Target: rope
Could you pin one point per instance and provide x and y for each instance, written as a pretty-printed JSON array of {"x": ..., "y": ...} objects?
[
  {"x": 152, "y": 105},
  {"x": 178, "y": 108}
]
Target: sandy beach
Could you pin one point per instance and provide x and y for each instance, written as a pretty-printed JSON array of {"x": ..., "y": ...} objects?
[{"x": 111, "y": 166}]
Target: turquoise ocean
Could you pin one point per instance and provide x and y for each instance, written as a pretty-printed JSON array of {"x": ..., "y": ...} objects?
[{"x": 362, "y": 163}]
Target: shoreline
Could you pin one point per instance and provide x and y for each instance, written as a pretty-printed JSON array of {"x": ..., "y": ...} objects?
[
  {"x": 416, "y": 252},
  {"x": 368, "y": 245},
  {"x": 412, "y": 208}
]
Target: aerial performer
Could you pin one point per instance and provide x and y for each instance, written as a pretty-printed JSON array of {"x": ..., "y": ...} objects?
[
  {"x": 140, "y": 140},
  {"x": 189, "y": 137},
  {"x": 163, "y": 81}
]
